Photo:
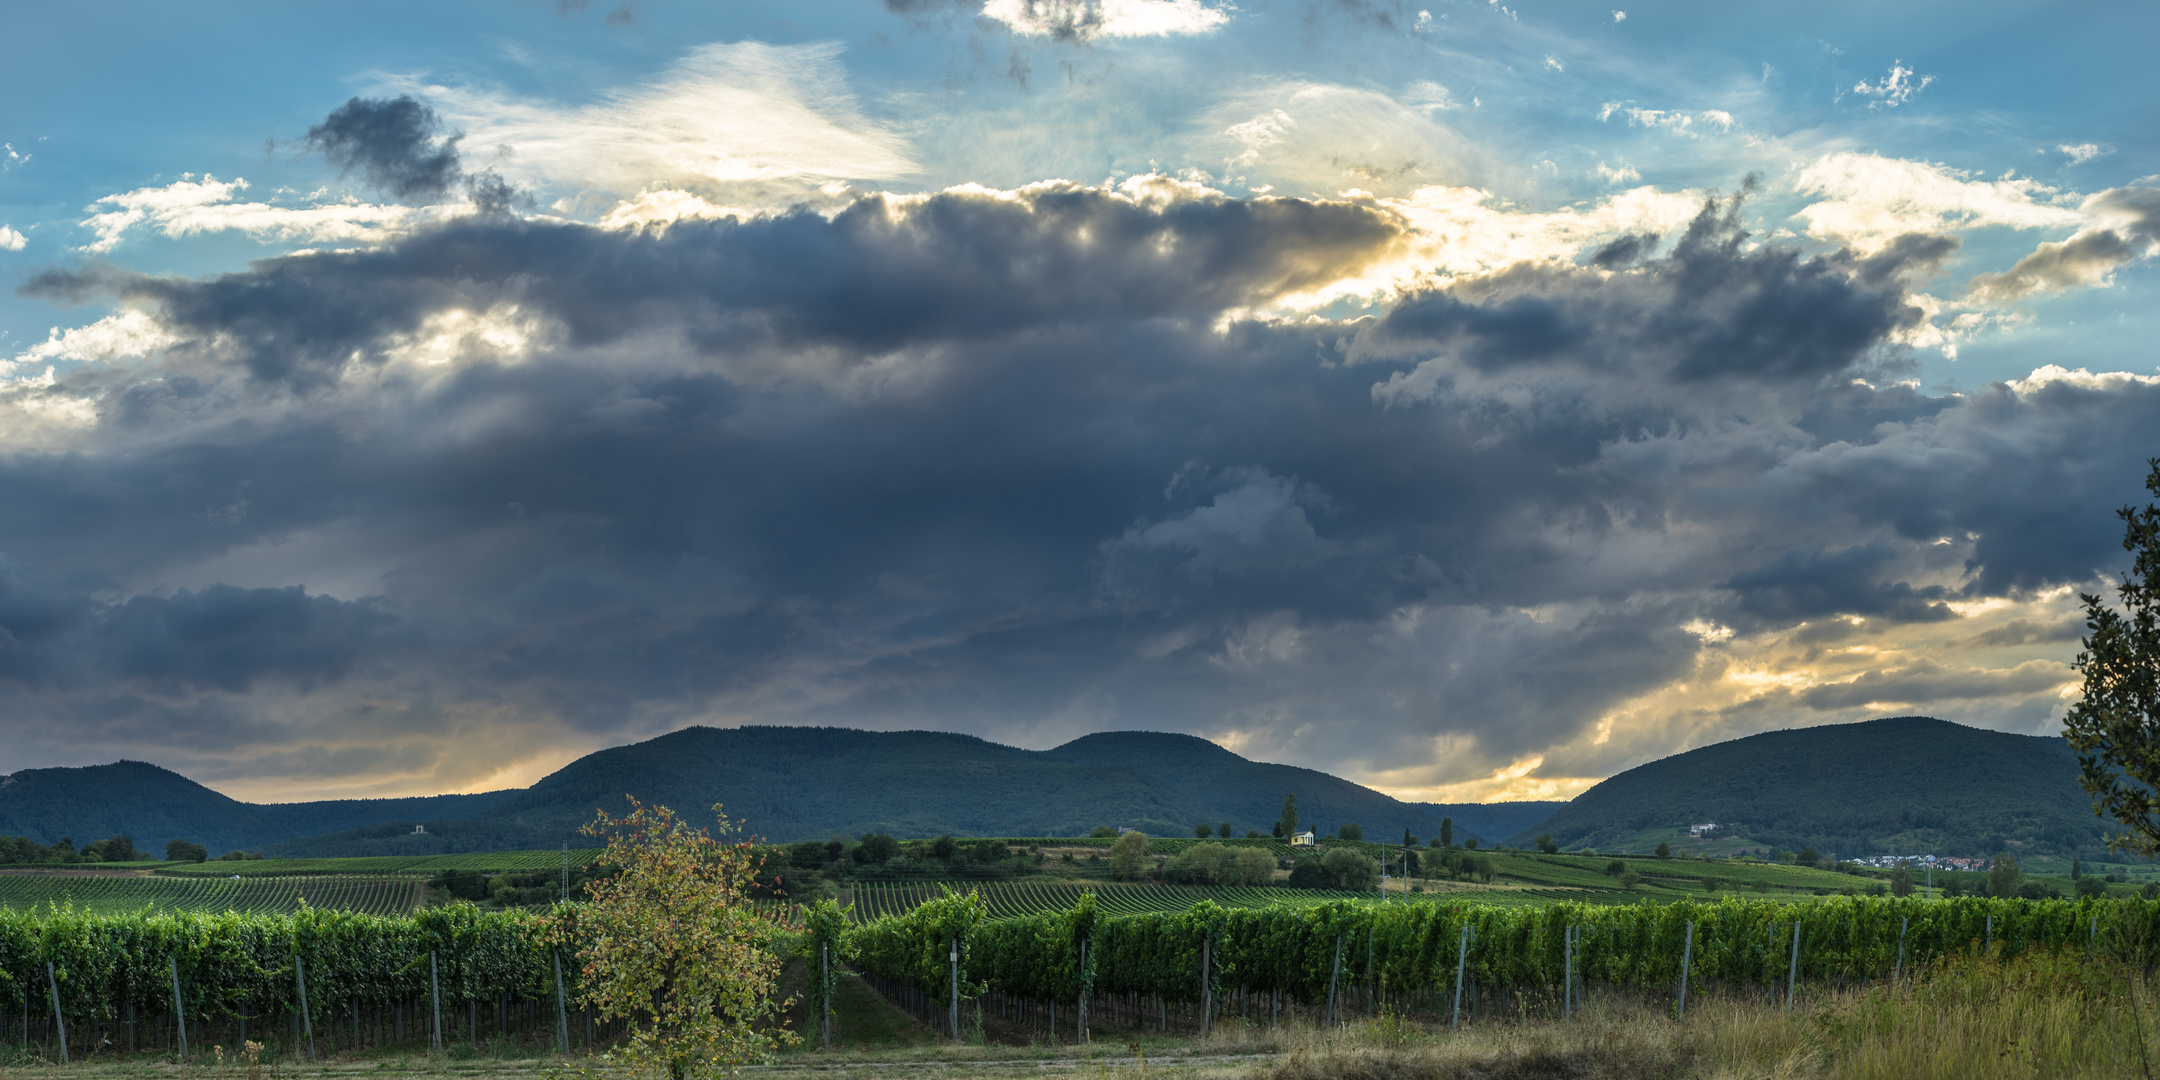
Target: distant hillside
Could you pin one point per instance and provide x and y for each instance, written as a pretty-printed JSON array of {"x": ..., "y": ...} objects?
[
  {"x": 154, "y": 805},
  {"x": 786, "y": 783},
  {"x": 809, "y": 783},
  {"x": 443, "y": 837},
  {"x": 1491, "y": 822},
  {"x": 131, "y": 798},
  {"x": 1249, "y": 794},
  {"x": 1907, "y": 784},
  {"x": 339, "y": 815}
]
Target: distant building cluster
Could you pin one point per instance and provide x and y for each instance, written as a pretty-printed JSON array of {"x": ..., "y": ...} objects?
[{"x": 1943, "y": 862}]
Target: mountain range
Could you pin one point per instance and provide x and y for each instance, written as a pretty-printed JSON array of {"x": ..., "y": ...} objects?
[
  {"x": 784, "y": 784},
  {"x": 1904, "y": 784}
]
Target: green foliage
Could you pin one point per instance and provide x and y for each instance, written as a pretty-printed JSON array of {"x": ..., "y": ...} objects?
[
  {"x": 117, "y": 894},
  {"x": 1545, "y": 844},
  {"x": 1215, "y": 864},
  {"x": 1664, "y": 850},
  {"x": 2090, "y": 886},
  {"x": 1351, "y": 870},
  {"x": 2003, "y": 876},
  {"x": 1310, "y": 874},
  {"x": 185, "y": 851},
  {"x": 1104, "y": 830},
  {"x": 1288, "y": 821},
  {"x": 1128, "y": 855},
  {"x": 1204, "y": 830},
  {"x": 1638, "y": 946},
  {"x": 673, "y": 944},
  {"x": 1901, "y": 881},
  {"x": 2115, "y": 726},
  {"x": 1352, "y": 831},
  {"x": 1223, "y": 830}
]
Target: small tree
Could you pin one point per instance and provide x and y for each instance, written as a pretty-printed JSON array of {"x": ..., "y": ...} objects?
[
  {"x": 1223, "y": 830},
  {"x": 2002, "y": 879},
  {"x": 1203, "y": 830},
  {"x": 1352, "y": 872},
  {"x": 1901, "y": 882},
  {"x": 1447, "y": 832},
  {"x": 1289, "y": 816},
  {"x": 1278, "y": 830},
  {"x": 1103, "y": 831},
  {"x": 2115, "y": 726},
  {"x": 1128, "y": 855},
  {"x": 2090, "y": 886},
  {"x": 673, "y": 943},
  {"x": 1352, "y": 831},
  {"x": 2077, "y": 868},
  {"x": 1664, "y": 850},
  {"x": 1546, "y": 845},
  {"x": 180, "y": 851}
]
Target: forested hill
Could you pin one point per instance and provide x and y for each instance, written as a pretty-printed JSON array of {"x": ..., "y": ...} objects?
[
  {"x": 1906, "y": 784},
  {"x": 1491, "y": 822},
  {"x": 809, "y": 783},
  {"x": 1249, "y": 794},
  {"x": 154, "y": 805},
  {"x": 131, "y": 798}
]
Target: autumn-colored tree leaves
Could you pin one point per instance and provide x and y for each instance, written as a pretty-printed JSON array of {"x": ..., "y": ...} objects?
[{"x": 672, "y": 943}]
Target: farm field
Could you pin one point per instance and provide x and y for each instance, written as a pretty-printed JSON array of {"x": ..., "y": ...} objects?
[
  {"x": 125, "y": 893},
  {"x": 484, "y": 862}
]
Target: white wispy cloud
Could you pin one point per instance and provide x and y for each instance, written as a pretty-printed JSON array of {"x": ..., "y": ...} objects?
[
  {"x": 1675, "y": 120},
  {"x": 1085, "y": 19},
  {"x": 1894, "y": 89},
  {"x": 1868, "y": 199},
  {"x": 11, "y": 240},
  {"x": 2081, "y": 153},
  {"x": 725, "y": 114},
  {"x": 189, "y": 206}
]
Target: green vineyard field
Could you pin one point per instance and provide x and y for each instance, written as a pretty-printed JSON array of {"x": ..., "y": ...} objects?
[
  {"x": 119, "y": 894},
  {"x": 1012, "y": 900},
  {"x": 483, "y": 862}
]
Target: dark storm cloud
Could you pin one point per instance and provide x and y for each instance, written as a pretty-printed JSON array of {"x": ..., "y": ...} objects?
[
  {"x": 53, "y": 637},
  {"x": 1797, "y": 586},
  {"x": 878, "y": 277},
  {"x": 397, "y": 143},
  {"x": 1013, "y": 463}
]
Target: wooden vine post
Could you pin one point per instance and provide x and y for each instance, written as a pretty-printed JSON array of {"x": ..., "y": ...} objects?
[
  {"x": 434, "y": 974},
  {"x": 955, "y": 1003},
  {"x": 52, "y": 982},
  {"x": 1687, "y": 952},
  {"x": 307, "y": 1023},
  {"x": 1207, "y": 985},
  {"x": 172, "y": 967},
  {"x": 1462, "y": 956}
]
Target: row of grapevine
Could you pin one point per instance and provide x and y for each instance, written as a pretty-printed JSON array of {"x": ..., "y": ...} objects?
[
  {"x": 1416, "y": 948},
  {"x": 1008, "y": 900},
  {"x": 481, "y": 862},
  {"x": 128, "y": 893},
  {"x": 230, "y": 971}
]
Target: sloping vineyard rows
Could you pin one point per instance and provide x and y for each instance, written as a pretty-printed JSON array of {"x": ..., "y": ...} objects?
[
  {"x": 1411, "y": 949},
  {"x": 485, "y": 862},
  {"x": 127, "y": 894}
]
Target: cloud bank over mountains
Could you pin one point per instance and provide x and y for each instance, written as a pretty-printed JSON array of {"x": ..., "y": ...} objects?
[{"x": 1453, "y": 496}]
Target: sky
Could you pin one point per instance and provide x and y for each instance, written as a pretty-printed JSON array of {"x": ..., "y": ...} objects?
[{"x": 1471, "y": 399}]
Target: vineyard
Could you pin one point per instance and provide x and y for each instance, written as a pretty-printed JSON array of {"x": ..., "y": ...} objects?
[
  {"x": 350, "y": 979},
  {"x": 1425, "y": 958},
  {"x": 493, "y": 862},
  {"x": 1010, "y": 900},
  {"x": 129, "y": 893}
]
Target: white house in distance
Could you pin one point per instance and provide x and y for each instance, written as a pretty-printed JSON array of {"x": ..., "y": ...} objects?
[
  {"x": 1698, "y": 830},
  {"x": 1303, "y": 839}
]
